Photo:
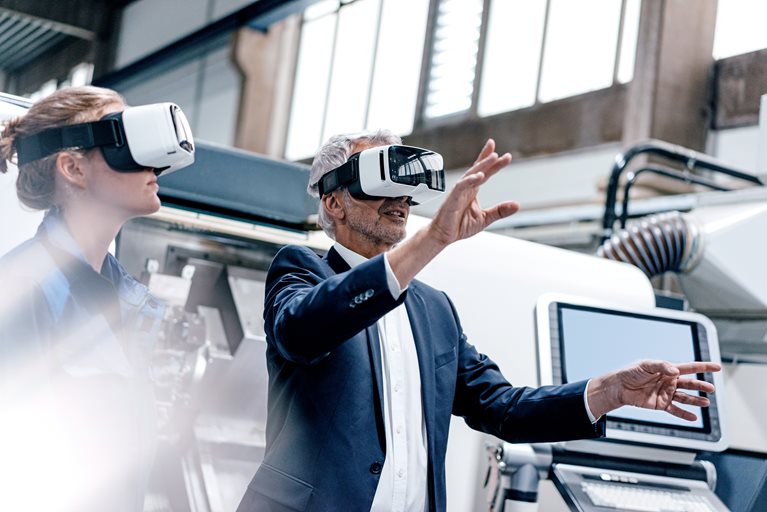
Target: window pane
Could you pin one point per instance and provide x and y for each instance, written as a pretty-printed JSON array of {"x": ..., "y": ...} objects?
[
  {"x": 581, "y": 42},
  {"x": 320, "y": 9},
  {"x": 512, "y": 54},
  {"x": 81, "y": 74},
  {"x": 454, "y": 57},
  {"x": 739, "y": 27},
  {"x": 629, "y": 41},
  {"x": 310, "y": 87},
  {"x": 398, "y": 65},
  {"x": 352, "y": 67}
]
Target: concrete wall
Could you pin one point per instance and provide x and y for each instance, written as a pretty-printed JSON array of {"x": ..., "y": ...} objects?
[
  {"x": 575, "y": 177},
  {"x": 558, "y": 180},
  {"x": 208, "y": 89},
  {"x": 736, "y": 146},
  {"x": 148, "y": 25}
]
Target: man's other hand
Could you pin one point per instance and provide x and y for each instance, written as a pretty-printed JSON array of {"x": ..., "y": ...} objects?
[{"x": 652, "y": 384}]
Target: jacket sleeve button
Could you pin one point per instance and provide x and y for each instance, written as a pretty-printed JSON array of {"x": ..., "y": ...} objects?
[{"x": 376, "y": 468}]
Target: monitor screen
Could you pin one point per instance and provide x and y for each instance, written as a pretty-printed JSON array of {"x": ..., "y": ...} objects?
[{"x": 585, "y": 340}]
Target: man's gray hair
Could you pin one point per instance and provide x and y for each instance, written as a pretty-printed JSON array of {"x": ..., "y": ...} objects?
[{"x": 335, "y": 152}]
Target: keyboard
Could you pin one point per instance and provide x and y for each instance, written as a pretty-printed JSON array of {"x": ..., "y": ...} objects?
[
  {"x": 592, "y": 489},
  {"x": 639, "y": 498}
]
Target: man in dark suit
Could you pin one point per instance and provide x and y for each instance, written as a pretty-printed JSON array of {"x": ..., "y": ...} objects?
[{"x": 366, "y": 365}]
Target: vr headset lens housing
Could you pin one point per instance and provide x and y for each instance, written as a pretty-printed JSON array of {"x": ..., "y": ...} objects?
[
  {"x": 389, "y": 171},
  {"x": 153, "y": 136}
]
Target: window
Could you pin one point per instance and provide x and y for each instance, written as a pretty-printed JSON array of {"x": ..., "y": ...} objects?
[
  {"x": 454, "y": 57},
  {"x": 359, "y": 61},
  {"x": 537, "y": 51},
  {"x": 358, "y": 68},
  {"x": 739, "y": 27},
  {"x": 81, "y": 74},
  {"x": 580, "y": 47},
  {"x": 512, "y": 55}
]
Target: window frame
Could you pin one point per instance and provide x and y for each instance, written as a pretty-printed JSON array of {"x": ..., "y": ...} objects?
[{"x": 422, "y": 122}]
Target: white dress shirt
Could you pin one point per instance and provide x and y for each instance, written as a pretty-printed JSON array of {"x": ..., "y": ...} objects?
[{"x": 403, "y": 482}]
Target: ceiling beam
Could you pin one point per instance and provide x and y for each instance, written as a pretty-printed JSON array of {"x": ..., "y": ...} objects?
[{"x": 70, "y": 30}]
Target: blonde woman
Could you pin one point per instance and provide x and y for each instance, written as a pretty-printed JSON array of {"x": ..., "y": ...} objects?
[{"x": 75, "y": 328}]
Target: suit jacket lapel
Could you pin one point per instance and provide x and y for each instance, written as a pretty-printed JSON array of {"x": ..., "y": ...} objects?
[
  {"x": 339, "y": 265},
  {"x": 423, "y": 344},
  {"x": 336, "y": 262},
  {"x": 374, "y": 348}
]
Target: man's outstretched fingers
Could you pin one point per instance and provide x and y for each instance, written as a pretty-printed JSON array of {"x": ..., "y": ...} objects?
[
  {"x": 482, "y": 165},
  {"x": 499, "y": 164},
  {"x": 698, "y": 367},
  {"x": 681, "y": 413},
  {"x": 488, "y": 148},
  {"x": 686, "y": 398},
  {"x": 654, "y": 366},
  {"x": 695, "y": 385},
  {"x": 501, "y": 211}
]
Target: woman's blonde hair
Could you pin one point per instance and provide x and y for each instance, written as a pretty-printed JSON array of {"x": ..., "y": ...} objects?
[{"x": 35, "y": 185}]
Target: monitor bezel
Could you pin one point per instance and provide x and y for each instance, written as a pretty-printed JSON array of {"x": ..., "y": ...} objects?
[{"x": 628, "y": 431}]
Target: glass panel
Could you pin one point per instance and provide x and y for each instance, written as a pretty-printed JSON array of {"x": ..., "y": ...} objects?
[
  {"x": 581, "y": 41},
  {"x": 512, "y": 55},
  {"x": 454, "y": 57},
  {"x": 320, "y": 9},
  {"x": 629, "y": 41},
  {"x": 310, "y": 88},
  {"x": 352, "y": 67},
  {"x": 81, "y": 74},
  {"x": 398, "y": 65},
  {"x": 739, "y": 27}
]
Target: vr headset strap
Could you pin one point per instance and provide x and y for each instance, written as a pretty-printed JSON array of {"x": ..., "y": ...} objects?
[
  {"x": 339, "y": 177},
  {"x": 84, "y": 136}
]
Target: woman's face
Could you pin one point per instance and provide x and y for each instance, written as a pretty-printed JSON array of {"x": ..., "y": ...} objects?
[{"x": 128, "y": 194}]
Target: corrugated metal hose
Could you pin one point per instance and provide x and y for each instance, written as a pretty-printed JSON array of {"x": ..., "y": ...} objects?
[{"x": 655, "y": 244}]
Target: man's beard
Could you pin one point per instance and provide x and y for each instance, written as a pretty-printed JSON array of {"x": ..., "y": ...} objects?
[{"x": 377, "y": 230}]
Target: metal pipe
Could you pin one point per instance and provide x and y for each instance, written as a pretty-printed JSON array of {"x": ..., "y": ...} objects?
[
  {"x": 691, "y": 159},
  {"x": 632, "y": 177}
]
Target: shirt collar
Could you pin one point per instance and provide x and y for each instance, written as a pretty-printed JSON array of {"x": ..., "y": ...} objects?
[
  {"x": 350, "y": 257},
  {"x": 55, "y": 230}
]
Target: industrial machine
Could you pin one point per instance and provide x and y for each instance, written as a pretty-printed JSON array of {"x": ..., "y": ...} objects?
[{"x": 702, "y": 253}]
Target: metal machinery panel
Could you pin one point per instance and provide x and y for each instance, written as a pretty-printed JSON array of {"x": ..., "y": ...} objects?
[{"x": 240, "y": 184}]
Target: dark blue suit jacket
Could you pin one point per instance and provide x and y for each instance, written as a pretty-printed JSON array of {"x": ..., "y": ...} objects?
[{"x": 325, "y": 433}]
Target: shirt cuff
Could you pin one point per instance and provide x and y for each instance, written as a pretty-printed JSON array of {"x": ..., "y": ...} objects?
[
  {"x": 391, "y": 279},
  {"x": 586, "y": 403}
]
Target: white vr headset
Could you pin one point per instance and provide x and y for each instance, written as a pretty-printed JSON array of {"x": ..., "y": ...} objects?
[
  {"x": 153, "y": 136},
  {"x": 389, "y": 171}
]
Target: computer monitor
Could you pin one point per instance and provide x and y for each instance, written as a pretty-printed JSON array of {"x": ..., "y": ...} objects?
[{"x": 579, "y": 339}]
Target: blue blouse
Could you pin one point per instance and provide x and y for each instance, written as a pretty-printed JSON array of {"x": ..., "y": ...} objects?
[{"x": 75, "y": 348}]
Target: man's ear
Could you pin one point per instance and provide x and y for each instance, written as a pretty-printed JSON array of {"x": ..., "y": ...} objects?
[
  {"x": 70, "y": 168},
  {"x": 333, "y": 205}
]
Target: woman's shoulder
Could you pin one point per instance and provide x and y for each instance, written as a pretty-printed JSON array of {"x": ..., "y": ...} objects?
[{"x": 29, "y": 261}]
